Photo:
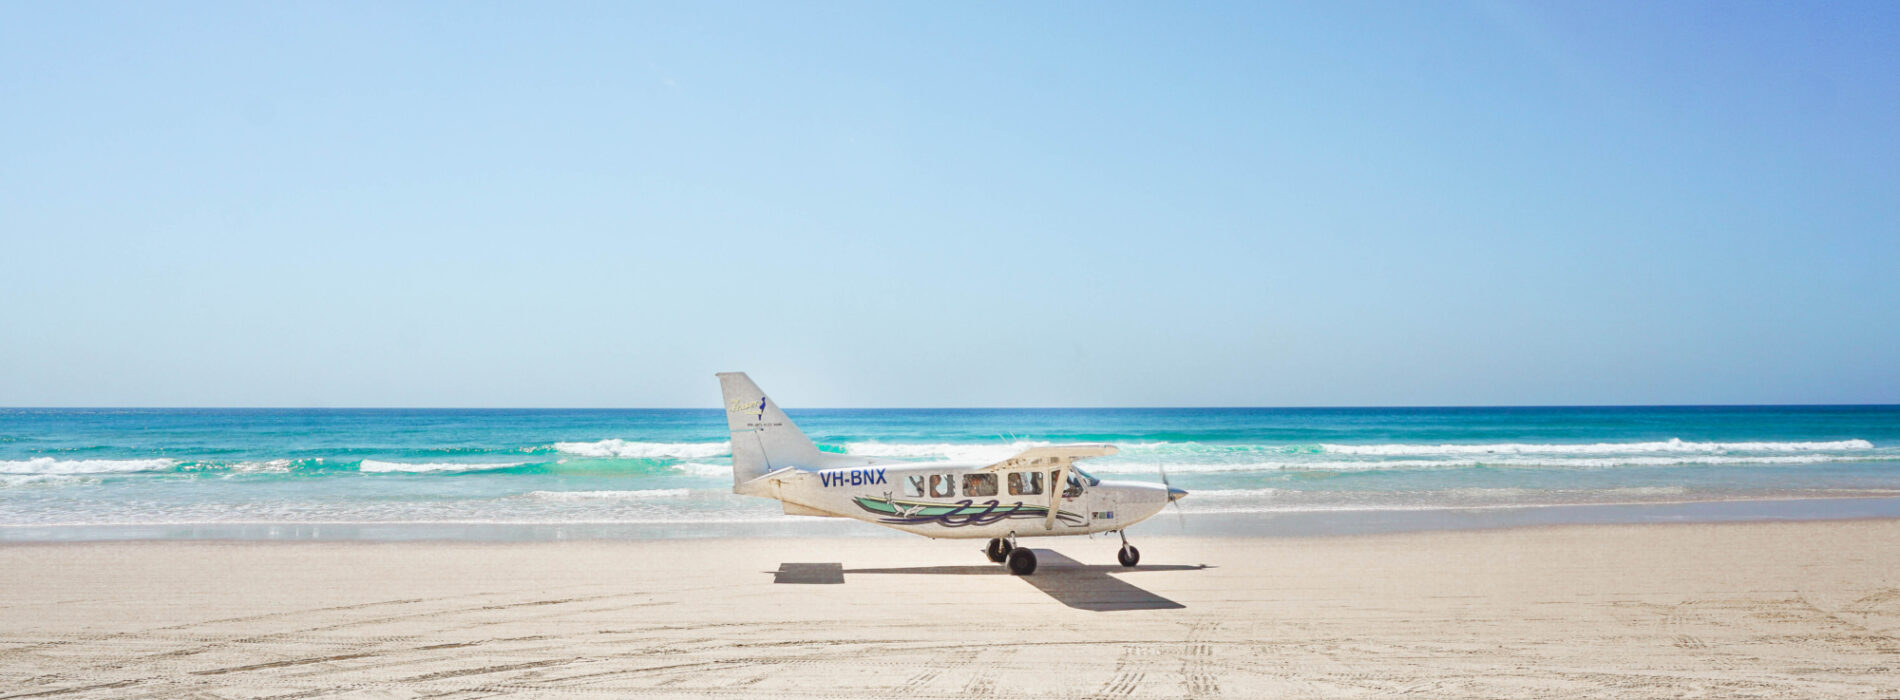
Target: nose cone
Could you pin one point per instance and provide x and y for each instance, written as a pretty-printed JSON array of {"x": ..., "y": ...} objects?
[{"x": 1175, "y": 494}]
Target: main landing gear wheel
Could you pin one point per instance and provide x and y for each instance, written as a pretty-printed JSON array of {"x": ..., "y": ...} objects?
[
  {"x": 1022, "y": 562},
  {"x": 998, "y": 550},
  {"x": 1129, "y": 556}
]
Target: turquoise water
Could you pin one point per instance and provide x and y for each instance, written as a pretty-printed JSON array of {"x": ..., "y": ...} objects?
[{"x": 68, "y": 473}]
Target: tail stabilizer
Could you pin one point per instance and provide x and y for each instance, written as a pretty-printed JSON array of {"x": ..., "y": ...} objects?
[{"x": 764, "y": 440}]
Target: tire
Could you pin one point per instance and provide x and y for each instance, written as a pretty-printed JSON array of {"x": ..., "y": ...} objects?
[
  {"x": 1022, "y": 562},
  {"x": 997, "y": 551},
  {"x": 1129, "y": 556}
]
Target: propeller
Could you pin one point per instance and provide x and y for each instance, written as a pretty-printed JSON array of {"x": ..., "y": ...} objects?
[{"x": 1174, "y": 496}]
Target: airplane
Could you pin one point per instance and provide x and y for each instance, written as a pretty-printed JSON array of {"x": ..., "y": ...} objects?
[{"x": 1039, "y": 492}]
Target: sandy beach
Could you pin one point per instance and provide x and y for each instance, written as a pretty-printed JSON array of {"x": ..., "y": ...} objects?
[{"x": 1720, "y": 610}]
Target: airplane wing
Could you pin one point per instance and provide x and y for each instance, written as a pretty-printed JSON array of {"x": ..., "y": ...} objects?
[{"x": 1050, "y": 456}]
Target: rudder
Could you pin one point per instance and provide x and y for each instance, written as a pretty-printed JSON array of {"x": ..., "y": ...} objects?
[{"x": 763, "y": 439}]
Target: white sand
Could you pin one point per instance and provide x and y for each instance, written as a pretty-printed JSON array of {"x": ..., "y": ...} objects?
[{"x": 1784, "y": 609}]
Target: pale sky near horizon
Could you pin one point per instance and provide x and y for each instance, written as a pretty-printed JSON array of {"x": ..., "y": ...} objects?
[{"x": 949, "y": 204}]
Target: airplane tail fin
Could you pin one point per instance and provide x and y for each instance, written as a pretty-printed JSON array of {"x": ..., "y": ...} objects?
[{"x": 763, "y": 439}]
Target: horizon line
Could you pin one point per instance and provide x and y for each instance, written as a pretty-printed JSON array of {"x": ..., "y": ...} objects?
[{"x": 946, "y": 408}]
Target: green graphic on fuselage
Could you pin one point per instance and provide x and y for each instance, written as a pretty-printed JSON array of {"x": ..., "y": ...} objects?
[{"x": 959, "y": 514}]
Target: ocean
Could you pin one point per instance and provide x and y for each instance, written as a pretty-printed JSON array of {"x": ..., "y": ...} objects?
[{"x": 77, "y": 474}]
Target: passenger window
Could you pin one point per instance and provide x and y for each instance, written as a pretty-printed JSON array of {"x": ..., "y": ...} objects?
[
  {"x": 1025, "y": 483},
  {"x": 914, "y": 486},
  {"x": 979, "y": 485},
  {"x": 941, "y": 486}
]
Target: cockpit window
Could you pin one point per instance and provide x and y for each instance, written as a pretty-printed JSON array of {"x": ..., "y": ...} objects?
[
  {"x": 1087, "y": 478},
  {"x": 1025, "y": 483},
  {"x": 914, "y": 486},
  {"x": 979, "y": 485},
  {"x": 1075, "y": 485}
]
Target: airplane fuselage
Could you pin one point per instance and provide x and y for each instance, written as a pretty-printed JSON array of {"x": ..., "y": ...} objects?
[{"x": 966, "y": 500}]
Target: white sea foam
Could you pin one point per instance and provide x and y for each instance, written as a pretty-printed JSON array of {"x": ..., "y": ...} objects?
[
  {"x": 637, "y": 495},
  {"x": 633, "y": 449},
  {"x": 1268, "y": 500},
  {"x": 294, "y": 520},
  {"x": 373, "y": 466},
  {"x": 1444, "y": 495},
  {"x": 979, "y": 452},
  {"x": 1195, "y": 456},
  {"x": 1206, "y": 494},
  {"x": 1682, "y": 461},
  {"x": 275, "y": 466},
  {"x": 1200, "y": 448},
  {"x": 42, "y": 480},
  {"x": 49, "y": 465},
  {"x": 1117, "y": 467},
  {"x": 704, "y": 469},
  {"x": 1673, "y": 445}
]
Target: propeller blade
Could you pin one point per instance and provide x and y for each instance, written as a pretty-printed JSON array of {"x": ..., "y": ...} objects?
[{"x": 1179, "y": 518}]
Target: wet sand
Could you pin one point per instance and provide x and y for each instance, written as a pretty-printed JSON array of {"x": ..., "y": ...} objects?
[{"x": 1806, "y": 609}]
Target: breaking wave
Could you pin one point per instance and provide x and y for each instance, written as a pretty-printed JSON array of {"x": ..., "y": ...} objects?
[
  {"x": 49, "y": 465},
  {"x": 710, "y": 459},
  {"x": 1260, "y": 454},
  {"x": 1675, "y": 445},
  {"x": 273, "y": 466},
  {"x": 47, "y": 480},
  {"x": 704, "y": 469},
  {"x": 978, "y": 452},
  {"x": 1106, "y": 467},
  {"x": 633, "y": 449},
  {"x": 1193, "y": 457},
  {"x": 374, "y": 466},
  {"x": 1264, "y": 494}
]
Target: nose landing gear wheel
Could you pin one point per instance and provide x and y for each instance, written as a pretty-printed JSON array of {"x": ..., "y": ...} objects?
[
  {"x": 1022, "y": 562},
  {"x": 1129, "y": 556},
  {"x": 998, "y": 550}
]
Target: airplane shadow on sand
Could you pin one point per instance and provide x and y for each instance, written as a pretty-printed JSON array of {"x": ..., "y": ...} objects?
[{"x": 1075, "y": 584}]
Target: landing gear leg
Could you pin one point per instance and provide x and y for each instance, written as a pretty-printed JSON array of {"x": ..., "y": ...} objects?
[
  {"x": 1129, "y": 556},
  {"x": 1020, "y": 560}
]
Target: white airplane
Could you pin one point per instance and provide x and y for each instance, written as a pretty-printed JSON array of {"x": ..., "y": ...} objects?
[{"x": 1037, "y": 493}]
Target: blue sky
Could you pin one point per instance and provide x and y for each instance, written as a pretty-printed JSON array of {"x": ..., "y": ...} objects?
[{"x": 950, "y": 204}]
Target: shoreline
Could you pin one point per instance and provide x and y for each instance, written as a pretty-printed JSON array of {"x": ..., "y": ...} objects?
[
  {"x": 1292, "y": 523},
  {"x": 883, "y": 537}
]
